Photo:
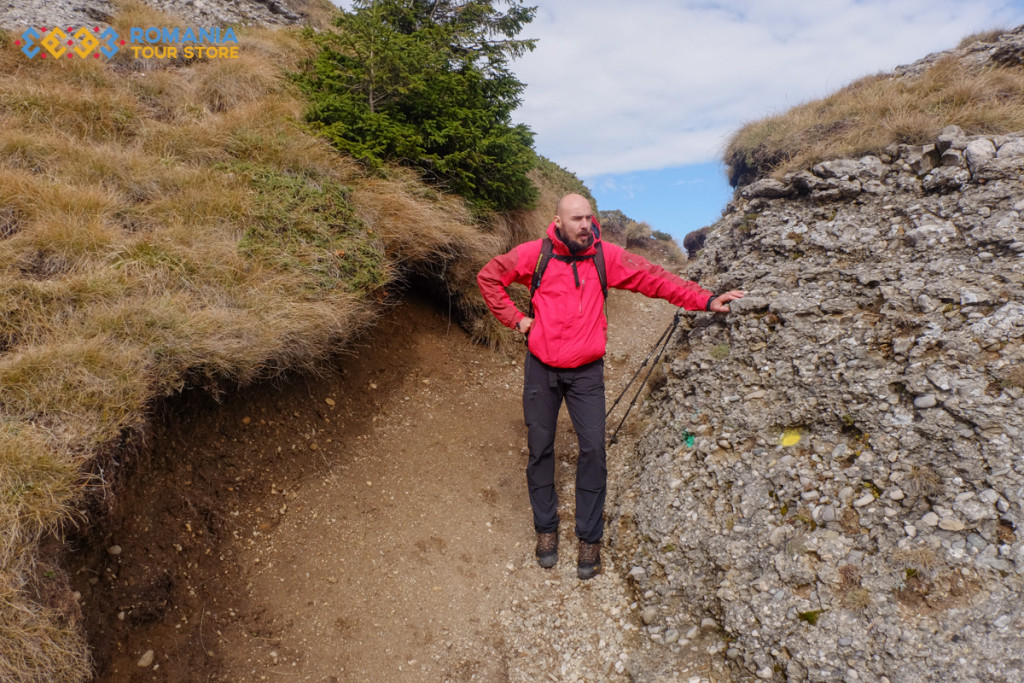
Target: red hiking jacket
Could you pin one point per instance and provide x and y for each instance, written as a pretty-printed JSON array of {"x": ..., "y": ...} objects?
[{"x": 570, "y": 328}]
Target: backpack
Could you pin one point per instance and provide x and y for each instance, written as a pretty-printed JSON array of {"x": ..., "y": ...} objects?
[{"x": 546, "y": 254}]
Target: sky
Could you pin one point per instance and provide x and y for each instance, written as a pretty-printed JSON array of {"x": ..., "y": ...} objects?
[{"x": 640, "y": 98}]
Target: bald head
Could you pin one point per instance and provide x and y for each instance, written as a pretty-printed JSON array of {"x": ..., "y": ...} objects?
[
  {"x": 574, "y": 220},
  {"x": 573, "y": 200}
]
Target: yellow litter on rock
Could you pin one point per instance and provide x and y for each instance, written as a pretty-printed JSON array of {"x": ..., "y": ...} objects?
[{"x": 790, "y": 437}]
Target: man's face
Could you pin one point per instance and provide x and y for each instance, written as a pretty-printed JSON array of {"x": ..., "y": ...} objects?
[{"x": 575, "y": 220}]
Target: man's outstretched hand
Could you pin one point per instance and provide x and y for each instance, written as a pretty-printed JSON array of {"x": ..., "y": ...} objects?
[{"x": 720, "y": 304}]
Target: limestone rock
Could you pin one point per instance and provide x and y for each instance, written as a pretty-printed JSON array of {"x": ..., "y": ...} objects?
[{"x": 882, "y": 336}]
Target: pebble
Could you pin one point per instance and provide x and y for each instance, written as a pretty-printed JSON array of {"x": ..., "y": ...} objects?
[
  {"x": 671, "y": 636},
  {"x": 866, "y": 499},
  {"x": 926, "y": 401},
  {"x": 638, "y": 573},
  {"x": 708, "y": 624},
  {"x": 649, "y": 614},
  {"x": 951, "y": 524},
  {"x": 146, "y": 660},
  {"x": 930, "y": 518},
  {"x": 114, "y": 550},
  {"x": 897, "y": 493}
]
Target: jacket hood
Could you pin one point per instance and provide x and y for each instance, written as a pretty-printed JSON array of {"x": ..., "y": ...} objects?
[{"x": 560, "y": 247}]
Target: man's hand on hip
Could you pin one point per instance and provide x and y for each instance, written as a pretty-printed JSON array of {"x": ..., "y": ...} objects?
[{"x": 523, "y": 326}]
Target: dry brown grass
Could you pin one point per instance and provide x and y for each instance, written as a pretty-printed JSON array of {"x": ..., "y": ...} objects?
[
  {"x": 172, "y": 224},
  {"x": 321, "y": 13},
  {"x": 874, "y": 112},
  {"x": 920, "y": 561},
  {"x": 923, "y": 481},
  {"x": 39, "y": 483},
  {"x": 989, "y": 36}
]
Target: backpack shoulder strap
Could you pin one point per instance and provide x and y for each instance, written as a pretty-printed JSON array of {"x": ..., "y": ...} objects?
[
  {"x": 602, "y": 273},
  {"x": 546, "y": 248}
]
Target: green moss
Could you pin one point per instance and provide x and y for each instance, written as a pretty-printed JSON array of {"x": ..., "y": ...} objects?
[
  {"x": 873, "y": 488},
  {"x": 810, "y": 617}
]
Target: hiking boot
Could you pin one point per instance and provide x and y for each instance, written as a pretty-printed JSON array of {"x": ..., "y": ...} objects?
[
  {"x": 547, "y": 549},
  {"x": 589, "y": 563}
]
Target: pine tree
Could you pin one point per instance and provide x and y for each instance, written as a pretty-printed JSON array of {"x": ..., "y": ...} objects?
[{"x": 427, "y": 84}]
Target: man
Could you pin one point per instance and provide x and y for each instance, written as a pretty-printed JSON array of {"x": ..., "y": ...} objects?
[{"x": 566, "y": 338}]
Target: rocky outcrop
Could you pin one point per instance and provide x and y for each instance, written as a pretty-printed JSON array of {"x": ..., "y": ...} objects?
[
  {"x": 694, "y": 241},
  {"x": 834, "y": 473},
  {"x": 1005, "y": 50},
  {"x": 202, "y": 13}
]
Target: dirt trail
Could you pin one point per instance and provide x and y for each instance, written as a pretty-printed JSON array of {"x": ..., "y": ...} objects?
[{"x": 369, "y": 525}]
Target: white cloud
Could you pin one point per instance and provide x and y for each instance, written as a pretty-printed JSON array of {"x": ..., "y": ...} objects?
[{"x": 615, "y": 87}]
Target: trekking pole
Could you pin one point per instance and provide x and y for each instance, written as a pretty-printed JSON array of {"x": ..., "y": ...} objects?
[
  {"x": 663, "y": 342},
  {"x": 668, "y": 331}
]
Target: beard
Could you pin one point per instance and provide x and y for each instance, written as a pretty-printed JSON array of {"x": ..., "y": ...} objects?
[{"x": 576, "y": 246}]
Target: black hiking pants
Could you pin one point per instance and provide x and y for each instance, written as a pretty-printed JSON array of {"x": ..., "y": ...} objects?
[{"x": 583, "y": 390}]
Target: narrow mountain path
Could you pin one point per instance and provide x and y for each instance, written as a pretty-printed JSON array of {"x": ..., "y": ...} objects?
[{"x": 371, "y": 524}]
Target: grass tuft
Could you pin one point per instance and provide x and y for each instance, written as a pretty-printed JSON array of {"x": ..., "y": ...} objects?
[
  {"x": 990, "y": 36},
  {"x": 922, "y": 561},
  {"x": 922, "y": 481}
]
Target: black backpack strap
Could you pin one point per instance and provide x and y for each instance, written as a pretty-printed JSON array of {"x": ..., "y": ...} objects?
[
  {"x": 602, "y": 274},
  {"x": 546, "y": 248}
]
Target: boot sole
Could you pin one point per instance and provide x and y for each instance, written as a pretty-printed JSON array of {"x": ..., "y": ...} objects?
[{"x": 548, "y": 561}]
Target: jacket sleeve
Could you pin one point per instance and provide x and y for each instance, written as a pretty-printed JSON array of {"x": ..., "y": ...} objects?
[
  {"x": 636, "y": 274},
  {"x": 501, "y": 271}
]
